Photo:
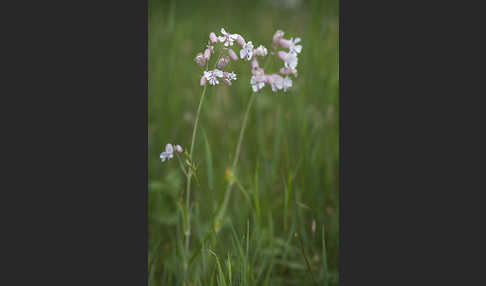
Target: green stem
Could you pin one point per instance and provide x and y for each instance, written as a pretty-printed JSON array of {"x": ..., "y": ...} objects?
[
  {"x": 235, "y": 160},
  {"x": 189, "y": 173}
]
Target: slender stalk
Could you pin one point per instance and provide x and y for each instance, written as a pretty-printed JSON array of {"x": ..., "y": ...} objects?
[
  {"x": 187, "y": 231},
  {"x": 227, "y": 193},
  {"x": 305, "y": 258},
  {"x": 235, "y": 160}
]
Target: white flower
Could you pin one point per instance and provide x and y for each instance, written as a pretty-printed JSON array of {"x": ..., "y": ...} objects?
[
  {"x": 169, "y": 151},
  {"x": 218, "y": 73},
  {"x": 231, "y": 76},
  {"x": 290, "y": 59},
  {"x": 293, "y": 48},
  {"x": 247, "y": 51},
  {"x": 228, "y": 77},
  {"x": 287, "y": 83},
  {"x": 257, "y": 82},
  {"x": 227, "y": 38},
  {"x": 276, "y": 82},
  {"x": 261, "y": 51},
  {"x": 212, "y": 76},
  {"x": 168, "y": 154}
]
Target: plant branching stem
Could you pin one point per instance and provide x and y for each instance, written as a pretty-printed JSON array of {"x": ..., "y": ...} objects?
[
  {"x": 235, "y": 160},
  {"x": 189, "y": 173}
]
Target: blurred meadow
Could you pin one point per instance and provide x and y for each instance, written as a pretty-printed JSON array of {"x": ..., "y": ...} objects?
[{"x": 287, "y": 175}]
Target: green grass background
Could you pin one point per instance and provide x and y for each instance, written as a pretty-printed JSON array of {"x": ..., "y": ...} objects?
[{"x": 288, "y": 169}]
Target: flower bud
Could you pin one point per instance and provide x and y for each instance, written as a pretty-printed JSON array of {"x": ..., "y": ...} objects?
[
  {"x": 232, "y": 54},
  {"x": 282, "y": 55},
  {"x": 288, "y": 70},
  {"x": 254, "y": 63},
  {"x": 203, "y": 80},
  {"x": 213, "y": 37},
  {"x": 284, "y": 43},
  {"x": 200, "y": 59},
  {"x": 223, "y": 61},
  {"x": 277, "y": 36},
  {"x": 240, "y": 41},
  {"x": 227, "y": 81},
  {"x": 207, "y": 54}
]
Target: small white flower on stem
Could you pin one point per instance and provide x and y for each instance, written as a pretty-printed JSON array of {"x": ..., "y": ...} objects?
[
  {"x": 291, "y": 45},
  {"x": 232, "y": 54},
  {"x": 287, "y": 83},
  {"x": 200, "y": 59},
  {"x": 178, "y": 148},
  {"x": 213, "y": 38},
  {"x": 290, "y": 59},
  {"x": 168, "y": 153},
  {"x": 218, "y": 73},
  {"x": 261, "y": 51},
  {"x": 247, "y": 51},
  {"x": 257, "y": 81},
  {"x": 227, "y": 38},
  {"x": 275, "y": 81},
  {"x": 212, "y": 76},
  {"x": 228, "y": 77}
]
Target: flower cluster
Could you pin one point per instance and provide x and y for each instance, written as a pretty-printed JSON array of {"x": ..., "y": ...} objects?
[
  {"x": 248, "y": 52},
  {"x": 213, "y": 76},
  {"x": 276, "y": 81},
  {"x": 169, "y": 151}
]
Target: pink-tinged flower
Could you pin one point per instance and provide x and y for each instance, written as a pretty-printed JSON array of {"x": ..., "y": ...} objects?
[
  {"x": 207, "y": 54},
  {"x": 226, "y": 81},
  {"x": 275, "y": 81},
  {"x": 290, "y": 59},
  {"x": 178, "y": 148},
  {"x": 257, "y": 81},
  {"x": 287, "y": 83},
  {"x": 223, "y": 61},
  {"x": 254, "y": 64},
  {"x": 232, "y": 54},
  {"x": 277, "y": 36},
  {"x": 261, "y": 51},
  {"x": 168, "y": 153},
  {"x": 247, "y": 51},
  {"x": 228, "y": 77},
  {"x": 227, "y": 38},
  {"x": 240, "y": 40},
  {"x": 291, "y": 45},
  {"x": 212, "y": 76},
  {"x": 288, "y": 70},
  {"x": 213, "y": 38},
  {"x": 200, "y": 59},
  {"x": 203, "y": 80}
]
